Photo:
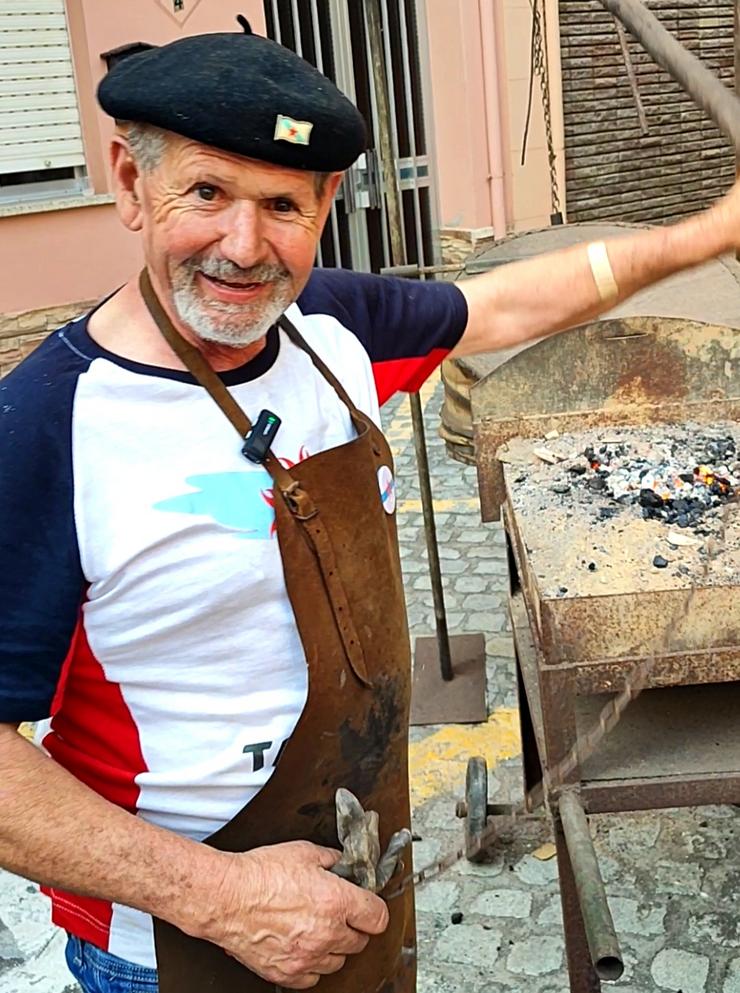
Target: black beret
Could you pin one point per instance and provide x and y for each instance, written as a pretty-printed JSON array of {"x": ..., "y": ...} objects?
[{"x": 241, "y": 93}]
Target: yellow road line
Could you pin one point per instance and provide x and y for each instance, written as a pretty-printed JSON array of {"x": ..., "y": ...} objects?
[
  {"x": 440, "y": 506},
  {"x": 399, "y": 431},
  {"x": 437, "y": 764}
]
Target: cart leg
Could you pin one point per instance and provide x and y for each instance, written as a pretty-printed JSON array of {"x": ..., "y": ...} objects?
[
  {"x": 583, "y": 978},
  {"x": 532, "y": 766}
]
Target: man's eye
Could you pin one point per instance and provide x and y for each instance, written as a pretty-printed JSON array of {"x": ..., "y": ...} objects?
[
  {"x": 204, "y": 191},
  {"x": 282, "y": 205}
]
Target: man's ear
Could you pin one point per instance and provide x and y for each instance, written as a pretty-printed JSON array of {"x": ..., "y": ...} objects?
[{"x": 126, "y": 183}]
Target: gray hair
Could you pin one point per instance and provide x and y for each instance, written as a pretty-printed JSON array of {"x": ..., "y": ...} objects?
[{"x": 148, "y": 145}]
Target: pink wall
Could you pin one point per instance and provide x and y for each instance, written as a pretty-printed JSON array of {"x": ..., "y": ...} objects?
[
  {"x": 459, "y": 113},
  {"x": 461, "y": 83},
  {"x": 62, "y": 256}
]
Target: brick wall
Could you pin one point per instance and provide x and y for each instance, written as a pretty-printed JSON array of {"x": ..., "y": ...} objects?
[
  {"x": 21, "y": 333},
  {"x": 613, "y": 172},
  {"x": 458, "y": 244}
]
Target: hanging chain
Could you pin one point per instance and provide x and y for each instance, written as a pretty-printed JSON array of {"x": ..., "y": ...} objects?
[
  {"x": 544, "y": 74},
  {"x": 539, "y": 67}
]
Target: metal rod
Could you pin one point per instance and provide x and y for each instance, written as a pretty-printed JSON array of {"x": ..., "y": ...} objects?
[
  {"x": 384, "y": 223},
  {"x": 276, "y": 21},
  {"x": 392, "y": 191},
  {"x": 316, "y": 28},
  {"x": 390, "y": 82},
  {"x": 597, "y": 919},
  {"x": 430, "y": 531},
  {"x": 297, "y": 28},
  {"x": 418, "y": 270},
  {"x": 411, "y": 125},
  {"x": 714, "y": 98},
  {"x": 631, "y": 75},
  {"x": 398, "y": 256}
]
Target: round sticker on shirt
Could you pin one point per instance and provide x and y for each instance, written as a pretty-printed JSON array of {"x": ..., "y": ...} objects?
[{"x": 387, "y": 485}]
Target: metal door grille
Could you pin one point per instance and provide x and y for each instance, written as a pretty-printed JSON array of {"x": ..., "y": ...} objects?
[{"x": 331, "y": 34}]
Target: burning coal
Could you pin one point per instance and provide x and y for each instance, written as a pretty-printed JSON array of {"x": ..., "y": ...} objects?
[{"x": 676, "y": 483}]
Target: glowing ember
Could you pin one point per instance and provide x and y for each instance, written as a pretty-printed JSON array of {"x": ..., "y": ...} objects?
[{"x": 665, "y": 487}]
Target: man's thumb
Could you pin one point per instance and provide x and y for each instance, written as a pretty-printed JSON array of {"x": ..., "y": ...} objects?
[{"x": 327, "y": 857}]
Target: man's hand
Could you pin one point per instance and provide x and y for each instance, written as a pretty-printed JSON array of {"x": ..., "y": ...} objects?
[
  {"x": 290, "y": 920},
  {"x": 727, "y": 214},
  {"x": 275, "y": 909}
]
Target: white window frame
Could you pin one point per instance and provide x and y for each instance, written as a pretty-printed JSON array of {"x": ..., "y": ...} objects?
[{"x": 36, "y": 53}]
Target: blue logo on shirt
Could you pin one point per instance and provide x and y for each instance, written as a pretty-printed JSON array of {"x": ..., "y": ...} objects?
[{"x": 242, "y": 501}]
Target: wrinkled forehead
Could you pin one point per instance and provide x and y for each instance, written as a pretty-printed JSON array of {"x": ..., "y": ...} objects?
[{"x": 182, "y": 158}]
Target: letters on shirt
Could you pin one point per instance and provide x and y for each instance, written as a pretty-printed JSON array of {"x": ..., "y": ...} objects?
[{"x": 258, "y": 752}]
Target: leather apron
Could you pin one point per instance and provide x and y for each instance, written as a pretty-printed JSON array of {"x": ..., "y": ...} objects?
[{"x": 343, "y": 576}]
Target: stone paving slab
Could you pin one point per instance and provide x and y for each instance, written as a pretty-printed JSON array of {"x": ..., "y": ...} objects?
[{"x": 672, "y": 877}]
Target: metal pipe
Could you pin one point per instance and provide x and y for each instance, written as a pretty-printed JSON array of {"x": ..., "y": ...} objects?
[
  {"x": 719, "y": 102},
  {"x": 413, "y": 270},
  {"x": 390, "y": 184},
  {"x": 597, "y": 919},
  {"x": 631, "y": 76},
  {"x": 276, "y": 22},
  {"x": 430, "y": 530},
  {"x": 297, "y": 28},
  {"x": 411, "y": 125},
  {"x": 316, "y": 27},
  {"x": 384, "y": 222},
  {"x": 496, "y": 181},
  {"x": 398, "y": 258}
]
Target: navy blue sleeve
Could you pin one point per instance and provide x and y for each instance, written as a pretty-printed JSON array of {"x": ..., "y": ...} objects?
[
  {"x": 41, "y": 582},
  {"x": 393, "y": 318}
]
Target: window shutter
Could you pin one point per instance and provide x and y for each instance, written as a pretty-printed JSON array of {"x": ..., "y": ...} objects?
[{"x": 39, "y": 117}]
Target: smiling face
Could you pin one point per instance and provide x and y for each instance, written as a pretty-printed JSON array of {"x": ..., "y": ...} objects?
[{"x": 229, "y": 242}]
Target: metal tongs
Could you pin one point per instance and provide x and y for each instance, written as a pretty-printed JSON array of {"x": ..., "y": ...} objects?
[{"x": 361, "y": 861}]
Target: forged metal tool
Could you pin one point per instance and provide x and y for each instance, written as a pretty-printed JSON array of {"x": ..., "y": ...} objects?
[{"x": 361, "y": 861}]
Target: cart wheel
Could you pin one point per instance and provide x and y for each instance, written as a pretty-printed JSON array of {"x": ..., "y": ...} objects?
[{"x": 476, "y": 802}]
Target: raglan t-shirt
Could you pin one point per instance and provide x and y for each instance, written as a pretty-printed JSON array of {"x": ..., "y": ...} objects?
[{"x": 145, "y": 621}]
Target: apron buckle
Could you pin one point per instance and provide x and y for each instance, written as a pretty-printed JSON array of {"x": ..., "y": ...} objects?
[{"x": 299, "y": 502}]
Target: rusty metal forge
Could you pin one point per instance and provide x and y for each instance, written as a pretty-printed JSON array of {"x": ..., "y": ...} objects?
[{"x": 679, "y": 743}]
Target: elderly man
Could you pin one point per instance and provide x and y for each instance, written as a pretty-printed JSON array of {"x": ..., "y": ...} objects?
[{"x": 216, "y": 632}]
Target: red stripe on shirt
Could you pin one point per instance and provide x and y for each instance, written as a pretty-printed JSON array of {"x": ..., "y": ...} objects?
[
  {"x": 82, "y": 916},
  {"x": 407, "y": 375},
  {"x": 94, "y": 736}
]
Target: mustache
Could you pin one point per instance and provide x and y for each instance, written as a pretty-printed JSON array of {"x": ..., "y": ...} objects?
[{"x": 228, "y": 270}]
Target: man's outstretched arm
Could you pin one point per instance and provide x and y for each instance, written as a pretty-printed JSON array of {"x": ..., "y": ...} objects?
[
  {"x": 536, "y": 297},
  {"x": 276, "y": 909}
]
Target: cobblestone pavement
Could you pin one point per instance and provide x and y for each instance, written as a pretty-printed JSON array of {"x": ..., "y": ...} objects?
[{"x": 672, "y": 877}]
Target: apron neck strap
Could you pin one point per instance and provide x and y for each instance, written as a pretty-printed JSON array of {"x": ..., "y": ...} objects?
[
  {"x": 209, "y": 380},
  {"x": 299, "y": 341}
]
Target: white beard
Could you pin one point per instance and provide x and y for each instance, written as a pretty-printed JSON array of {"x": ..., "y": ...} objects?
[{"x": 234, "y": 325}]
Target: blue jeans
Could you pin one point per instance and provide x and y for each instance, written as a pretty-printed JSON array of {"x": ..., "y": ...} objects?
[{"x": 100, "y": 972}]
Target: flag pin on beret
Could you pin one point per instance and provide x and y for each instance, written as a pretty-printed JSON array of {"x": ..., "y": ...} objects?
[{"x": 298, "y": 132}]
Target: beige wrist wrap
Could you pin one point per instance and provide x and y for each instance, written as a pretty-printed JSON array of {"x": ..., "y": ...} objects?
[{"x": 603, "y": 274}]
